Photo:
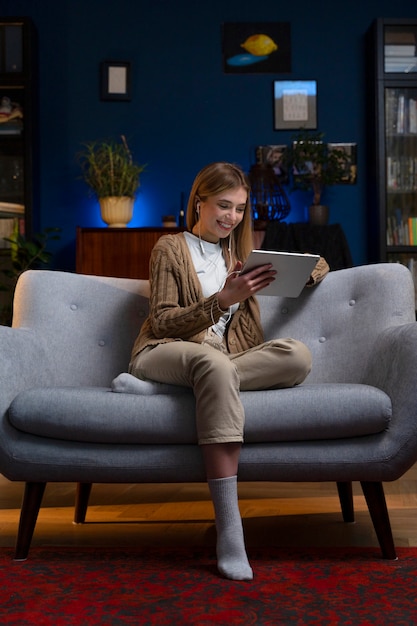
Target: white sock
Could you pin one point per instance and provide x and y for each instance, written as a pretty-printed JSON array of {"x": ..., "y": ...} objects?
[
  {"x": 232, "y": 561},
  {"x": 127, "y": 383}
]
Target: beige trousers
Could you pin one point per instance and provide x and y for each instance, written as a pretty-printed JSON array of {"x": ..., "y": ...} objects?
[{"x": 217, "y": 377}]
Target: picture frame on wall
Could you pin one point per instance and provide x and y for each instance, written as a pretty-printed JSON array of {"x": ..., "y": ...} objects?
[
  {"x": 272, "y": 155},
  {"x": 115, "y": 80},
  {"x": 351, "y": 165},
  {"x": 295, "y": 104},
  {"x": 256, "y": 47}
]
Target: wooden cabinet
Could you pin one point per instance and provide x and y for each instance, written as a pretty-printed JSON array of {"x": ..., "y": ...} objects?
[{"x": 122, "y": 252}]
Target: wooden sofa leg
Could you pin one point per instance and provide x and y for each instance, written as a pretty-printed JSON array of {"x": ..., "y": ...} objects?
[
  {"x": 32, "y": 500},
  {"x": 81, "y": 502},
  {"x": 375, "y": 499},
  {"x": 346, "y": 501}
]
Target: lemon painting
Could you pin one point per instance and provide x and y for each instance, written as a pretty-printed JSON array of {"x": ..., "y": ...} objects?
[
  {"x": 259, "y": 45},
  {"x": 256, "y": 47}
]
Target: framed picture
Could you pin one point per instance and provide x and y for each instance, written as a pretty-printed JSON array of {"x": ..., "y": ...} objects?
[
  {"x": 273, "y": 155},
  {"x": 115, "y": 80},
  {"x": 295, "y": 104},
  {"x": 256, "y": 47},
  {"x": 350, "y": 165}
]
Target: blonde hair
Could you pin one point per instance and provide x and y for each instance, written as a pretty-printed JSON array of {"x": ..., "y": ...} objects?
[{"x": 212, "y": 180}]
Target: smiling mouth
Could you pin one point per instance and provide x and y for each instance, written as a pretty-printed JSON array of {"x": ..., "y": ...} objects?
[{"x": 225, "y": 226}]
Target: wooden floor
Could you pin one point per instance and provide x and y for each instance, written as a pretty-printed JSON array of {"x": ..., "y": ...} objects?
[{"x": 275, "y": 514}]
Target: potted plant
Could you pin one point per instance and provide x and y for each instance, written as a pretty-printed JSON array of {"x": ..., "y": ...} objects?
[
  {"x": 109, "y": 170},
  {"x": 314, "y": 166}
]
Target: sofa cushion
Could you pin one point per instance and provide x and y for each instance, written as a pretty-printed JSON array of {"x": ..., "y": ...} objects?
[{"x": 306, "y": 412}]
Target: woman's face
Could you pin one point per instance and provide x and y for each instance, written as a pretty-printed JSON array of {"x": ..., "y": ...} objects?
[{"x": 219, "y": 215}]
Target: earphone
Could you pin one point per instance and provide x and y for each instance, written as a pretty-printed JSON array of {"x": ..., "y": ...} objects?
[{"x": 197, "y": 210}]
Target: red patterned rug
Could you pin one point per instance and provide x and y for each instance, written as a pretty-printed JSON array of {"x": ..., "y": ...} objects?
[{"x": 92, "y": 586}]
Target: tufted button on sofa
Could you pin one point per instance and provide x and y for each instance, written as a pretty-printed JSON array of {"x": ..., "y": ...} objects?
[{"x": 69, "y": 411}]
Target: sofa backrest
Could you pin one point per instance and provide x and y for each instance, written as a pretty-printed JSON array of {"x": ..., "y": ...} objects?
[
  {"x": 340, "y": 318},
  {"x": 87, "y": 324}
]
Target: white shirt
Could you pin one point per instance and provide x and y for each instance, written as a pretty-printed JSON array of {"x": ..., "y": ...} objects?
[{"x": 210, "y": 265}]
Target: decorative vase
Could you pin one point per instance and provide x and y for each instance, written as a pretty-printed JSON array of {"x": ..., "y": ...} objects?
[
  {"x": 318, "y": 214},
  {"x": 116, "y": 211}
]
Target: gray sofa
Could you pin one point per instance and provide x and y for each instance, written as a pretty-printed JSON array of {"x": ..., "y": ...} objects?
[{"x": 64, "y": 415}]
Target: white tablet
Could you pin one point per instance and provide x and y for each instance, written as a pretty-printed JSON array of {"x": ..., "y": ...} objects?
[{"x": 293, "y": 271}]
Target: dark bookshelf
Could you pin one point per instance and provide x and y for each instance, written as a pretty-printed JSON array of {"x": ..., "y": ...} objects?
[
  {"x": 392, "y": 141},
  {"x": 18, "y": 123}
]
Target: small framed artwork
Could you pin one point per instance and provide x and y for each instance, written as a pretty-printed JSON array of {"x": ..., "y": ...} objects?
[
  {"x": 256, "y": 47},
  {"x": 115, "y": 80},
  {"x": 273, "y": 155},
  {"x": 350, "y": 166},
  {"x": 295, "y": 104}
]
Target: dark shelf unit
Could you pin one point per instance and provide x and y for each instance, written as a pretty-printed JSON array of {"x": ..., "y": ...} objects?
[
  {"x": 392, "y": 144},
  {"x": 18, "y": 129}
]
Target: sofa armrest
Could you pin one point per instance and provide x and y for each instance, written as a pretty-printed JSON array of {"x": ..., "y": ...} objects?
[
  {"x": 392, "y": 367},
  {"x": 23, "y": 363}
]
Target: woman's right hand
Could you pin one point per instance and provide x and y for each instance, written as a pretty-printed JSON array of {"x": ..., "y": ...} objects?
[{"x": 238, "y": 287}]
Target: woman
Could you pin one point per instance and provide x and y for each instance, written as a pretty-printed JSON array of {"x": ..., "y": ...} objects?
[{"x": 204, "y": 332}]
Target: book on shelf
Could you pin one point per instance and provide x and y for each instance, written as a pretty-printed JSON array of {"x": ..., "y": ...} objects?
[
  {"x": 11, "y": 209},
  {"x": 401, "y": 172},
  {"x": 401, "y": 231},
  {"x": 412, "y": 231},
  {"x": 14, "y": 127},
  {"x": 399, "y": 37},
  {"x": 400, "y": 112},
  {"x": 412, "y": 115},
  {"x": 7, "y": 227},
  {"x": 399, "y": 50},
  {"x": 397, "y": 229},
  {"x": 401, "y": 65}
]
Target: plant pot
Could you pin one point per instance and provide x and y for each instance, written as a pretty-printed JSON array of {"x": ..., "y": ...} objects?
[
  {"x": 116, "y": 211},
  {"x": 318, "y": 214}
]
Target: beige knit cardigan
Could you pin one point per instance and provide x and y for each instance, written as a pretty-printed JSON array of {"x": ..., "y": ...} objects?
[{"x": 178, "y": 309}]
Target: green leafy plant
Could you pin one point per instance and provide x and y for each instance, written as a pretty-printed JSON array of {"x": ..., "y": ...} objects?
[
  {"x": 312, "y": 165},
  {"x": 24, "y": 254},
  {"x": 108, "y": 168}
]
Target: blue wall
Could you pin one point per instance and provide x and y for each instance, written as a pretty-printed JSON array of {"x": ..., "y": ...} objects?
[{"x": 185, "y": 111}]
